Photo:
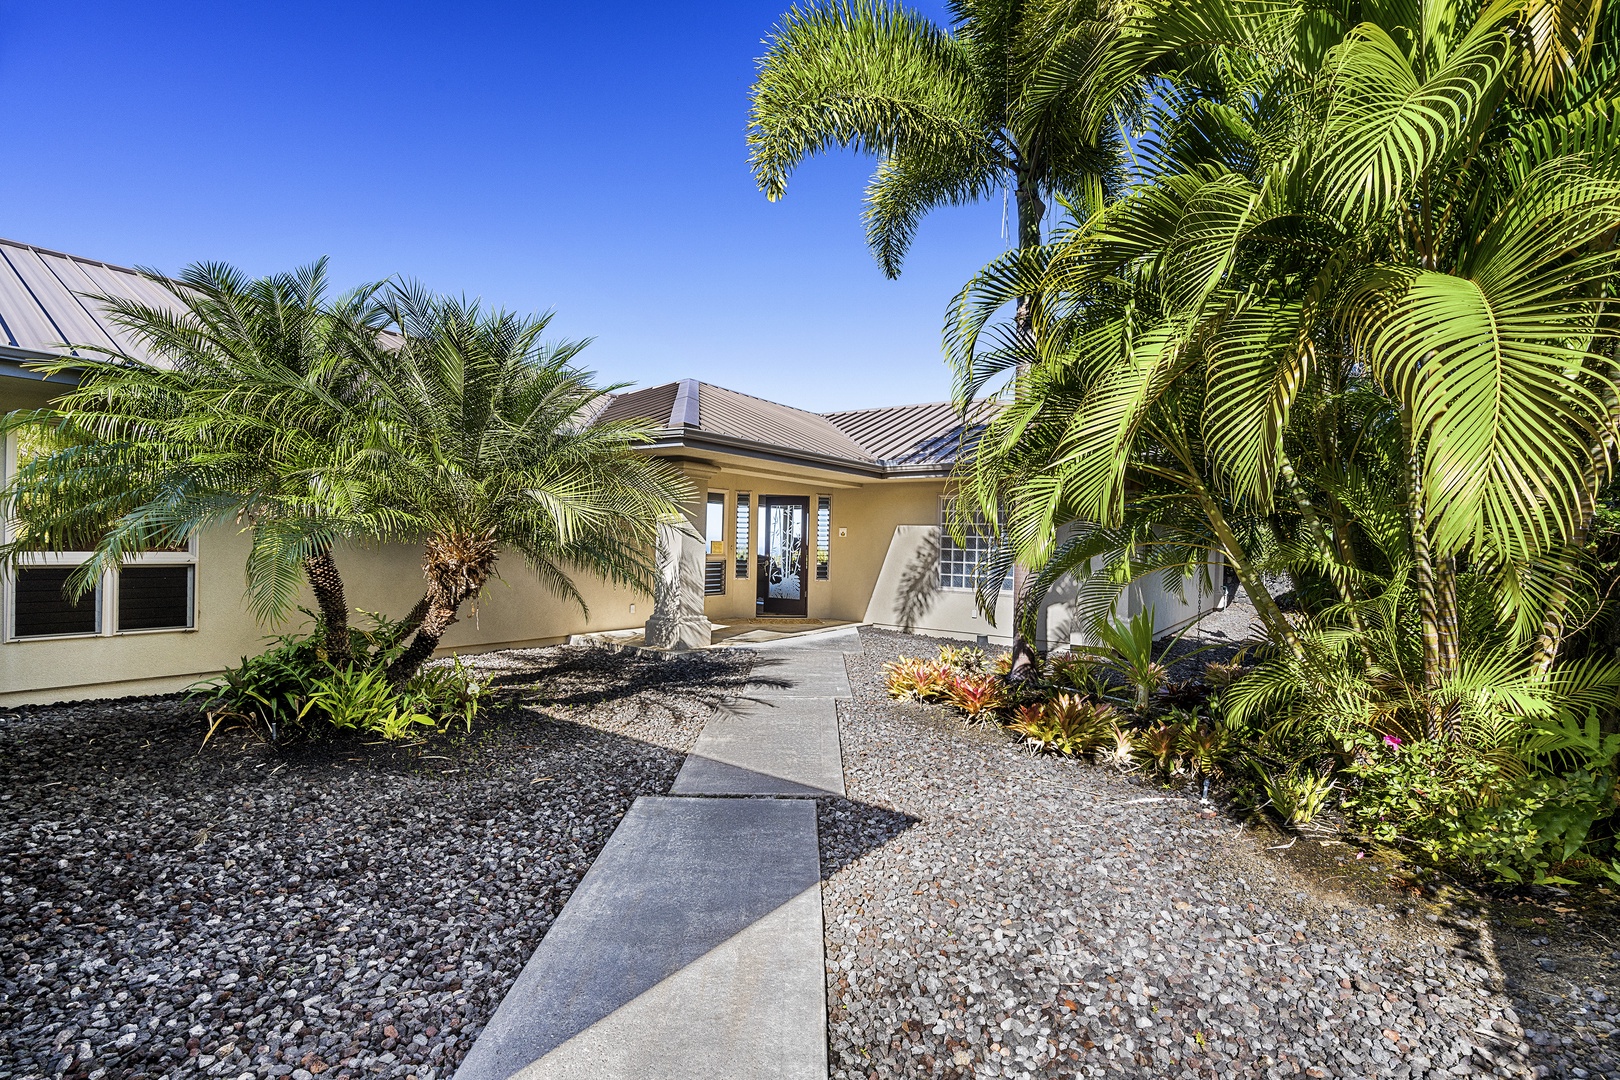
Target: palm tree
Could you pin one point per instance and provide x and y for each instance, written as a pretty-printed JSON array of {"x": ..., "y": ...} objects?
[
  {"x": 1363, "y": 249},
  {"x": 251, "y": 413},
  {"x": 489, "y": 446},
  {"x": 1003, "y": 99}
]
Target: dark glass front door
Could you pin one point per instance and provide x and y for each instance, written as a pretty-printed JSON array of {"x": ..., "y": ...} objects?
[{"x": 784, "y": 553}]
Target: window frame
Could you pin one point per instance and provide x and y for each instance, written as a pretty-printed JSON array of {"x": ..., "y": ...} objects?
[
  {"x": 106, "y": 588},
  {"x": 742, "y": 532},
  {"x": 968, "y": 558},
  {"x": 823, "y": 552},
  {"x": 712, "y": 558}
]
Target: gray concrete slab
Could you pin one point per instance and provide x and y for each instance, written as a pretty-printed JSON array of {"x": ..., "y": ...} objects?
[
  {"x": 812, "y": 674},
  {"x": 692, "y": 948},
  {"x": 782, "y": 746}
]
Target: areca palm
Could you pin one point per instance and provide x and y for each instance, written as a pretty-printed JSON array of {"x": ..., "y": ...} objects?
[
  {"x": 489, "y": 447},
  {"x": 251, "y": 413},
  {"x": 1439, "y": 240},
  {"x": 1003, "y": 99}
]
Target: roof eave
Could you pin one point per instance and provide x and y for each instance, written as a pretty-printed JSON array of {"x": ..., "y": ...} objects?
[{"x": 693, "y": 439}]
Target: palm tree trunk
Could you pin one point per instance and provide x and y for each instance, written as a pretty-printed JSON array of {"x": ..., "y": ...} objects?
[
  {"x": 1428, "y": 587},
  {"x": 457, "y": 565},
  {"x": 1030, "y": 212},
  {"x": 1264, "y": 605},
  {"x": 327, "y": 585},
  {"x": 1324, "y": 545}
]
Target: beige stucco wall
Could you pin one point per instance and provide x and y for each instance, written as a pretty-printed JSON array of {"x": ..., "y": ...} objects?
[{"x": 514, "y": 611}]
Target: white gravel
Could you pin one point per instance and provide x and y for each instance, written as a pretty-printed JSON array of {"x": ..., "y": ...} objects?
[{"x": 1015, "y": 916}]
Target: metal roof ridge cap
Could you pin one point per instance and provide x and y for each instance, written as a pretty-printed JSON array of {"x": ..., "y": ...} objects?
[{"x": 685, "y": 411}]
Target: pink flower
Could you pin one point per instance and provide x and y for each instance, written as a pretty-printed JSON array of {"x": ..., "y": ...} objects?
[{"x": 1390, "y": 740}]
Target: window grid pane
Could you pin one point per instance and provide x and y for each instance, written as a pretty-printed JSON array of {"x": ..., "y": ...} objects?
[
  {"x": 959, "y": 563},
  {"x": 823, "y": 535},
  {"x": 744, "y": 504}
]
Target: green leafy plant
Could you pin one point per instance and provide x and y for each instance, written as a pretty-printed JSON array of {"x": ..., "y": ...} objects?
[
  {"x": 962, "y": 657},
  {"x": 1128, "y": 646},
  {"x": 1298, "y": 795},
  {"x": 1204, "y": 744},
  {"x": 361, "y": 699},
  {"x": 268, "y": 691},
  {"x": 1160, "y": 746},
  {"x": 1076, "y": 672},
  {"x": 1068, "y": 724}
]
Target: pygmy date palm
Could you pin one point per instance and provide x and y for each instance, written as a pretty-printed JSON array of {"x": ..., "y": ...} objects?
[
  {"x": 250, "y": 412},
  {"x": 489, "y": 447}
]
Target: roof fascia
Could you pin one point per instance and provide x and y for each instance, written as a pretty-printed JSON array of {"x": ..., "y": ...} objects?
[{"x": 699, "y": 441}]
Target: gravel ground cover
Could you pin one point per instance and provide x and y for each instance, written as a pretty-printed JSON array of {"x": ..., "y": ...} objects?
[
  {"x": 1015, "y": 916},
  {"x": 347, "y": 910}
]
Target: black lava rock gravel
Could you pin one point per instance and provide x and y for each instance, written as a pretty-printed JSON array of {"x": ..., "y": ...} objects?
[
  {"x": 347, "y": 910},
  {"x": 994, "y": 914}
]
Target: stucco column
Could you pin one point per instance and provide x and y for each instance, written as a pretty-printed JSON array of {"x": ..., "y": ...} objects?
[{"x": 678, "y": 620}]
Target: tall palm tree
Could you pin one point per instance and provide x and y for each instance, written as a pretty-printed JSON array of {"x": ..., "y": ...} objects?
[
  {"x": 1416, "y": 213},
  {"x": 489, "y": 446},
  {"x": 251, "y": 413},
  {"x": 1001, "y": 100}
]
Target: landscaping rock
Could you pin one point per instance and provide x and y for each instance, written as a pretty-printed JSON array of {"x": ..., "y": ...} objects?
[
  {"x": 339, "y": 911},
  {"x": 1019, "y": 916}
]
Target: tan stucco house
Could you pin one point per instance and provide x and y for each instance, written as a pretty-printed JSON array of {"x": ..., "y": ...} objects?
[{"x": 832, "y": 517}]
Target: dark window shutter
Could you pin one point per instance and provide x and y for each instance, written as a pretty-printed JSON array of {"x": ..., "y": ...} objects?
[
  {"x": 41, "y": 609},
  {"x": 154, "y": 597}
]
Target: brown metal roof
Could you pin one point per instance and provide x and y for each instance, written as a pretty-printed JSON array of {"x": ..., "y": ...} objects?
[
  {"x": 933, "y": 433},
  {"x": 651, "y": 404},
  {"x": 726, "y": 412},
  {"x": 43, "y": 311},
  {"x": 929, "y": 436}
]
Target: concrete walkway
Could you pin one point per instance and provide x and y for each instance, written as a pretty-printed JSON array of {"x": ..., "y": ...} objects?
[{"x": 693, "y": 947}]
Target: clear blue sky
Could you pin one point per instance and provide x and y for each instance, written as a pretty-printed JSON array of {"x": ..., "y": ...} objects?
[{"x": 586, "y": 158}]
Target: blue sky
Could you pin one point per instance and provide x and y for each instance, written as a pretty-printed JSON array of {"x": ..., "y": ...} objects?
[{"x": 586, "y": 158}]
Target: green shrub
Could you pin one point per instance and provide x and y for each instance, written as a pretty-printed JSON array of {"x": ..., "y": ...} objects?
[
  {"x": 1454, "y": 803},
  {"x": 1297, "y": 794},
  {"x": 292, "y": 692},
  {"x": 270, "y": 690},
  {"x": 1068, "y": 724}
]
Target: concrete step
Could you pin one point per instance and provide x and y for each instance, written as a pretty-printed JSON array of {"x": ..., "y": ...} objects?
[
  {"x": 784, "y": 746},
  {"x": 692, "y": 948}
]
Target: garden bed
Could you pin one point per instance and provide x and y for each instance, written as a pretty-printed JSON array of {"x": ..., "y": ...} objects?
[
  {"x": 346, "y": 909},
  {"x": 1036, "y": 916}
]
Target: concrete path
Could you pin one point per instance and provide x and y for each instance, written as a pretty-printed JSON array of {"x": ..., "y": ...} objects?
[
  {"x": 781, "y": 736},
  {"x": 693, "y": 947}
]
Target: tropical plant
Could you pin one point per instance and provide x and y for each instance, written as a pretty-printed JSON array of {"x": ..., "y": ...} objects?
[
  {"x": 295, "y": 690},
  {"x": 1067, "y": 724},
  {"x": 489, "y": 446},
  {"x": 1387, "y": 243},
  {"x": 1003, "y": 99},
  {"x": 978, "y": 696},
  {"x": 251, "y": 411},
  {"x": 1298, "y": 795},
  {"x": 1127, "y": 645}
]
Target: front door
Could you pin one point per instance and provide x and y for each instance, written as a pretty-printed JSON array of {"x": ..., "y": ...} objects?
[{"x": 784, "y": 553}]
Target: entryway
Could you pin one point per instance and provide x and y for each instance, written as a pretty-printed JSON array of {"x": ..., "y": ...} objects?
[{"x": 784, "y": 556}]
